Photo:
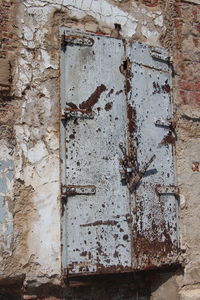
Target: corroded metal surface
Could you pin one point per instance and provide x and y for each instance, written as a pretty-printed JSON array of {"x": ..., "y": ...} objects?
[
  {"x": 96, "y": 228},
  {"x": 155, "y": 238},
  {"x": 118, "y": 136}
]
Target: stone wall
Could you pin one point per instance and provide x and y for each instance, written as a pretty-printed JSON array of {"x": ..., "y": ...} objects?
[
  {"x": 30, "y": 252},
  {"x": 187, "y": 99}
]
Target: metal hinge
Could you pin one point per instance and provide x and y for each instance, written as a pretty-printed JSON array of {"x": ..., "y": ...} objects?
[
  {"x": 73, "y": 190},
  {"x": 170, "y": 189},
  {"x": 70, "y": 113},
  {"x": 171, "y": 124},
  {"x": 159, "y": 54},
  {"x": 78, "y": 40}
]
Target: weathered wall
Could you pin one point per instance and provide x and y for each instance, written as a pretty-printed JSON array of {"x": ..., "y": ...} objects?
[
  {"x": 182, "y": 38},
  {"x": 29, "y": 148},
  {"x": 187, "y": 99}
]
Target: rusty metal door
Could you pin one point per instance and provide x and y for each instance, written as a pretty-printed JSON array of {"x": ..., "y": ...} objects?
[
  {"x": 119, "y": 205},
  {"x": 155, "y": 229},
  {"x": 97, "y": 225}
]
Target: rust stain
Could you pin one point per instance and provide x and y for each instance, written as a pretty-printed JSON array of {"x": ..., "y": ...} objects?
[
  {"x": 150, "y": 67},
  {"x": 93, "y": 99},
  {"x": 72, "y": 136},
  {"x": 84, "y": 253},
  {"x": 127, "y": 86},
  {"x": 131, "y": 114},
  {"x": 196, "y": 166},
  {"x": 168, "y": 139},
  {"x": 169, "y": 189},
  {"x": 83, "y": 111},
  {"x": 166, "y": 88},
  {"x": 72, "y": 190},
  {"x": 172, "y": 125},
  {"x": 71, "y": 105},
  {"x": 100, "y": 33},
  {"x": 108, "y": 106},
  {"x": 125, "y": 68},
  {"x": 125, "y": 237},
  {"x": 101, "y": 269},
  {"x": 100, "y": 250},
  {"x": 113, "y": 269},
  {"x": 153, "y": 253},
  {"x": 100, "y": 222}
]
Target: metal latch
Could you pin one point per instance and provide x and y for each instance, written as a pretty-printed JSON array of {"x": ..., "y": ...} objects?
[
  {"x": 170, "y": 189},
  {"x": 71, "y": 113},
  {"x": 73, "y": 190},
  {"x": 136, "y": 179},
  {"x": 160, "y": 54},
  {"x": 129, "y": 174}
]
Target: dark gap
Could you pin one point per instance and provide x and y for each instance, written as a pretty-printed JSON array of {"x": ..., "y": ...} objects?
[
  {"x": 117, "y": 26},
  {"x": 125, "y": 64}
]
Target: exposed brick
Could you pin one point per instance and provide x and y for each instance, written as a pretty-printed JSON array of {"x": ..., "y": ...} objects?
[
  {"x": 177, "y": 23},
  {"x": 187, "y": 85},
  {"x": 6, "y": 39},
  {"x": 151, "y": 3},
  {"x": 194, "y": 98},
  {"x": 190, "y": 85},
  {"x": 183, "y": 96},
  {"x": 186, "y": 51}
]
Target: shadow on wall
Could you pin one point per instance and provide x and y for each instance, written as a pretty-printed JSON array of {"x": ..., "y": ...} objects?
[{"x": 150, "y": 285}]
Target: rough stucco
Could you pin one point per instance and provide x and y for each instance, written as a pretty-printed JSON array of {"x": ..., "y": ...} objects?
[{"x": 30, "y": 162}]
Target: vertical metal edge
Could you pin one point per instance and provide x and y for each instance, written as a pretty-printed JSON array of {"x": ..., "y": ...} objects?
[
  {"x": 168, "y": 68},
  {"x": 132, "y": 196},
  {"x": 62, "y": 146},
  {"x": 171, "y": 68}
]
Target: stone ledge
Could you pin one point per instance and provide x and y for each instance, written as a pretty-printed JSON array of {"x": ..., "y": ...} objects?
[
  {"x": 192, "y": 294},
  {"x": 195, "y": 2}
]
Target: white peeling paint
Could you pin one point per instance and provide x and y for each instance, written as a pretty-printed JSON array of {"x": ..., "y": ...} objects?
[
  {"x": 159, "y": 21},
  {"x": 46, "y": 59},
  {"x": 36, "y": 153},
  {"x": 182, "y": 200},
  {"x": 44, "y": 239},
  {"x": 152, "y": 36},
  {"x": 28, "y": 33}
]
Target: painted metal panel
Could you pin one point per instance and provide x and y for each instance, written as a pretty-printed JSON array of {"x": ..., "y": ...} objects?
[
  {"x": 155, "y": 238},
  {"x": 117, "y": 140},
  {"x": 6, "y": 221},
  {"x": 96, "y": 229}
]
